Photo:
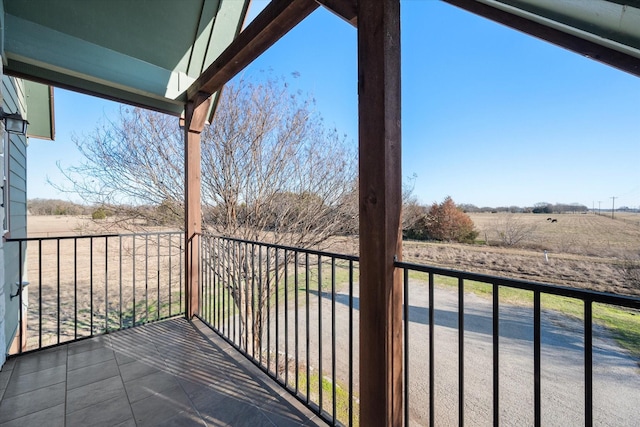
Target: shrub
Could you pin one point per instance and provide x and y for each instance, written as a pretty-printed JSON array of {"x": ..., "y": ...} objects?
[
  {"x": 442, "y": 221},
  {"x": 99, "y": 213},
  {"x": 447, "y": 222}
]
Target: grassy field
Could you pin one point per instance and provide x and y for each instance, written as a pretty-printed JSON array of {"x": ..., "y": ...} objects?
[{"x": 583, "y": 250}]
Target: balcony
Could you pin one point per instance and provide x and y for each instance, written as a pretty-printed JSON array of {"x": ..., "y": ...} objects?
[
  {"x": 167, "y": 373},
  {"x": 276, "y": 339}
]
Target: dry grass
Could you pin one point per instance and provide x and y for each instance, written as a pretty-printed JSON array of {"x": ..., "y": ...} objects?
[
  {"x": 584, "y": 250},
  {"x": 79, "y": 287}
]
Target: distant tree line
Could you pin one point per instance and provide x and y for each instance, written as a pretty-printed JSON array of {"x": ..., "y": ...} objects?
[
  {"x": 540, "y": 207},
  {"x": 57, "y": 207}
]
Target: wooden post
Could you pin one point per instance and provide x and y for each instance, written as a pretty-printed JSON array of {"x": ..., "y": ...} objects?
[
  {"x": 195, "y": 117},
  {"x": 380, "y": 212}
]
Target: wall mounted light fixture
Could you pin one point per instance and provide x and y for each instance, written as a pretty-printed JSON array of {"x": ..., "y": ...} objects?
[{"x": 13, "y": 122}]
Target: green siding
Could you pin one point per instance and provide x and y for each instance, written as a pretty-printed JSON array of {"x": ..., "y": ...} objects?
[{"x": 14, "y": 101}]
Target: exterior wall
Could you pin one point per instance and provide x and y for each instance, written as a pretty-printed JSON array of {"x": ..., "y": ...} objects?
[{"x": 14, "y": 168}]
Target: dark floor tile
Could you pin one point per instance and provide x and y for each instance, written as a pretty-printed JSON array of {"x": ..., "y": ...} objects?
[
  {"x": 92, "y": 373},
  {"x": 286, "y": 419},
  {"x": 233, "y": 412},
  {"x": 137, "y": 369},
  {"x": 161, "y": 406},
  {"x": 205, "y": 395},
  {"x": 8, "y": 364},
  {"x": 93, "y": 393},
  {"x": 141, "y": 388},
  {"x": 131, "y": 353},
  {"x": 50, "y": 417},
  {"x": 102, "y": 341},
  {"x": 107, "y": 413},
  {"x": 31, "y": 402},
  {"x": 316, "y": 421},
  {"x": 183, "y": 419},
  {"x": 4, "y": 381},
  {"x": 22, "y": 383},
  {"x": 41, "y": 360},
  {"x": 128, "y": 423},
  {"x": 90, "y": 357}
]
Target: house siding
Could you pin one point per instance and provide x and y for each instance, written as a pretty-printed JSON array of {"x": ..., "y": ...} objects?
[{"x": 13, "y": 99}]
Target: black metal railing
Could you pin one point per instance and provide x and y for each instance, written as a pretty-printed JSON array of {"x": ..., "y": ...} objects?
[
  {"x": 290, "y": 311},
  {"x": 517, "y": 329},
  {"x": 476, "y": 347},
  {"x": 81, "y": 286}
]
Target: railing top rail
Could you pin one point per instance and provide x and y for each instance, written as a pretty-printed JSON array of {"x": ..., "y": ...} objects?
[
  {"x": 90, "y": 236},
  {"x": 582, "y": 294},
  {"x": 284, "y": 247}
]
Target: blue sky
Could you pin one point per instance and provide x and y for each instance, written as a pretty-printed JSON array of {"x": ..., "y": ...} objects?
[{"x": 490, "y": 116}]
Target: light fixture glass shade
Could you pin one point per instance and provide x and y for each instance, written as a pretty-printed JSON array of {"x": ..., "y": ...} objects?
[{"x": 13, "y": 122}]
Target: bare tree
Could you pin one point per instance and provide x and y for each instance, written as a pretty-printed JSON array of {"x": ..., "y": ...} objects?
[
  {"x": 511, "y": 229},
  {"x": 272, "y": 171}
]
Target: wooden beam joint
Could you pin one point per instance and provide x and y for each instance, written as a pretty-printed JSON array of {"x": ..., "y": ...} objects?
[
  {"x": 345, "y": 9},
  {"x": 276, "y": 20}
]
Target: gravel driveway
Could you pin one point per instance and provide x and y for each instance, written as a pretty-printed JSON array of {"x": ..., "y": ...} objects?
[{"x": 616, "y": 376}]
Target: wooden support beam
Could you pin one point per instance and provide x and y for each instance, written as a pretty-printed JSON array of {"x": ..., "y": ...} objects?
[
  {"x": 606, "y": 55},
  {"x": 380, "y": 212},
  {"x": 195, "y": 117},
  {"x": 345, "y": 9},
  {"x": 276, "y": 20}
]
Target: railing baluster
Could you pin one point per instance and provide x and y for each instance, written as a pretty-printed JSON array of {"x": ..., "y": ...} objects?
[
  {"x": 588, "y": 363},
  {"x": 133, "y": 283},
  {"x": 536, "y": 359},
  {"x": 235, "y": 295},
  {"x": 58, "y": 287},
  {"x": 432, "y": 352},
  {"x": 75, "y": 285},
  {"x": 20, "y": 311},
  {"x": 306, "y": 290},
  {"x": 253, "y": 300},
  {"x": 158, "y": 272},
  {"x": 120, "y": 280},
  {"x": 146, "y": 277},
  {"x": 40, "y": 297},
  {"x": 170, "y": 256},
  {"x": 106, "y": 283},
  {"x": 320, "y": 376},
  {"x": 496, "y": 355},
  {"x": 277, "y": 280},
  {"x": 295, "y": 319},
  {"x": 260, "y": 329},
  {"x": 246, "y": 297},
  {"x": 180, "y": 263},
  {"x": 460, "y": 351},
  {"x": 333, "y": 338},
  {"x": 221, "y": 286},
  {"x": 268, "y": 311},
  {"x": 405, "y": 314},
  {"x": 350, "y": 343},
  {"x": 212, "y": 281},
  {"x": 286, "y": 319}
]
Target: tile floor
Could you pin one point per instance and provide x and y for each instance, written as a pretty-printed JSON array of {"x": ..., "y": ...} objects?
[{"x": 171, "y": 373}]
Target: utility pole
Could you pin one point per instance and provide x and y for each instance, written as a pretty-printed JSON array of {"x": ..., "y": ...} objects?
[
  {"x": 599, "y": 206},
  {"x": 613, "y": 205}
]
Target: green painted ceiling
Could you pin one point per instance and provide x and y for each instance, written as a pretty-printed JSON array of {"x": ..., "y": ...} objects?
[{"x": 144, "y": 52}]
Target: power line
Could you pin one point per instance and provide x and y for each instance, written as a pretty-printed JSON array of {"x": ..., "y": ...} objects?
[{"x": 613, "y": 205}]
